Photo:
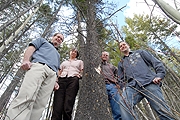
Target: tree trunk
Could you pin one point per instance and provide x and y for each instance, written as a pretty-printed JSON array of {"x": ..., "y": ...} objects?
[
  {"x": 5, "y": 51},
  {"x": 80, "y": 38},
  {"x": 5, "y": 37},
  {"x": 10, "y": 89},
  {"x": 168, "y": 10},
  {"x": 93, "y": 100}
]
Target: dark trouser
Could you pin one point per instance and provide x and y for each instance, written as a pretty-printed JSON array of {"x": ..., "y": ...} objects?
[{"x": 64, "y": 98}]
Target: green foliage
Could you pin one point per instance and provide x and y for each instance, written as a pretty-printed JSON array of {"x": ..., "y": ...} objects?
[
  {"x": 45, "y": 10},
  {"x": 140, "y": 27},
  {"x": 82, "y": 4},
  {"x": 114, "y": 54},
  {"x": 64, "y": 52},
  {"x": 131, "y": 41},
  {"x": 108, "y": 42},
  {"x": 45, "y": 15}
]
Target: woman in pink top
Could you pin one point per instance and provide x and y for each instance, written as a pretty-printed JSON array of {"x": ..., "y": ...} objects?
[{"x": 64, "y": 97}]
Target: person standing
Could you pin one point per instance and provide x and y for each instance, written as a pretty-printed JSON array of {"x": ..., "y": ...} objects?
[
  {"x": 110, "y": 76},
  {"x": 64, "y": 97},
  {"x": 39, "y": 79},
  {"x": 135, "y": 70}
]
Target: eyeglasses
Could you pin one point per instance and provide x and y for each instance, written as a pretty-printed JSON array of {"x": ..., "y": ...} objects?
[{"x": 105, "y": 55}]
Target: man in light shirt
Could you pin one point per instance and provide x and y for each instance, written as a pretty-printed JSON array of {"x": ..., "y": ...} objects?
[{"x": 39, "y": 79}]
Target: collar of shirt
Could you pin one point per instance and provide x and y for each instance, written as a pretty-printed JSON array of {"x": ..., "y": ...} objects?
[
  {"x": 53, "y": 45},
  {"x": 104, "y": 63},
  {"x": 74, "y": 59},
  {"x": 131, "y": 52}
]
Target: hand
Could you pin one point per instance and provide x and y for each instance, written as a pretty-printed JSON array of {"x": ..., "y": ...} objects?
[
  {"x": 79, "y": 76},
  {"x": 157, "y": 80},
  {"x": 26, "y": 65},
  {"x": 117, "y": 87},
  {"x": 56, "y": 86},
  {"x": 123, "y": 89}
]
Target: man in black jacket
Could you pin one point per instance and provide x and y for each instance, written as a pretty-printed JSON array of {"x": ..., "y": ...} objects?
[{"x": 134, "y": 70}]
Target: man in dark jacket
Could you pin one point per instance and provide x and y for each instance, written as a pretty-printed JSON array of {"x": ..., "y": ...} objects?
[{"x": 135, "y": 71}]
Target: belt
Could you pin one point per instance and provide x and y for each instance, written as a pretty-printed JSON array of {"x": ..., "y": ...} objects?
[
  {"x": 41, "y": 63},
  {"x": 45, "y": 64}
]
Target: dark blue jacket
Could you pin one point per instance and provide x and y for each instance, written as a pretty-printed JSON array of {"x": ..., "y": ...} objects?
[{"x": 137, "y": 68}]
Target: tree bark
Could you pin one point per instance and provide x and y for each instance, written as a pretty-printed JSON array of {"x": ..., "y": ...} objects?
[
  {"x": 93, "y": 100},
  {"x": 80, "y": 38}
]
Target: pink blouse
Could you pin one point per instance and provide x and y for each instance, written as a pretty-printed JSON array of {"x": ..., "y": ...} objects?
[{"x": 71, "y": 68}]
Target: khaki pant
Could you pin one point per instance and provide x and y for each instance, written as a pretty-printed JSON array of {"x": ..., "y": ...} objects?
[{"x": 34, "y": 93}]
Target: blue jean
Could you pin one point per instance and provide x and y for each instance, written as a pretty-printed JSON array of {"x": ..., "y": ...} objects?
[
  {"x": 152, "y": 93},
  {"x": 114, "y": 97}
]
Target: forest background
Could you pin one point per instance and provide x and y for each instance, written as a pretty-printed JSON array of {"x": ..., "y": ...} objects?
[{"x": 92, "y": 26}]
